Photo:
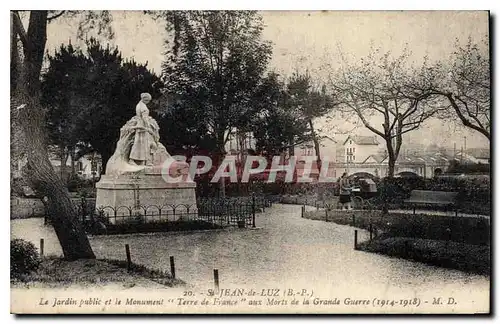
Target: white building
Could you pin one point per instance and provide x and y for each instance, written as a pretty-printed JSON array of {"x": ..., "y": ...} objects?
[
  {"x": 365, "y": 154},
  {"x": 356, "y": 149}
]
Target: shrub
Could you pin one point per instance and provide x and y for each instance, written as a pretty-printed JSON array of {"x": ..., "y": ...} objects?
[
  {"x": 86, "y": 192},
  {"x": 476, "y": 168},
  {"x": 261, "y": 187},
  {"x": 474, "y": 193},
  {"x": 24, "y": 258},
  {"x": 16, "y": 187},
  {"x": 82, "y": 186}
]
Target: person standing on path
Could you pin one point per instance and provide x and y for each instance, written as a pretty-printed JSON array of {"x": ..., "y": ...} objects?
[{"x": 345, "y": 192}]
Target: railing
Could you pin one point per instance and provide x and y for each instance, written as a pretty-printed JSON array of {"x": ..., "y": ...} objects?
[{"x": 208, "y": 213}]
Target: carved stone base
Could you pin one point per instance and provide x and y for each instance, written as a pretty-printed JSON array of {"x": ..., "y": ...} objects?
[{"x": 145, "y": 197}]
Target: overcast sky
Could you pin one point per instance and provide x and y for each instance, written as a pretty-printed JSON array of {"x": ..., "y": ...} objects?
[{"x": 304, "y": 39}]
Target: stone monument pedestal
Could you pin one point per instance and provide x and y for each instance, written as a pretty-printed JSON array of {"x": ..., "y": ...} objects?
[{"x": 127, "y": 197}]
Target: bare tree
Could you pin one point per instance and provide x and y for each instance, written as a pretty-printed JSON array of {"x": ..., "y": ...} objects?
[
  {"x": 386, "y": 89},
  {"x": 466, "y": 86}
]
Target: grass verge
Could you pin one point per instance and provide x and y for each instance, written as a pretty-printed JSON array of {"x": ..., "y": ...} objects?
[
  {"x": 59, "y": 273},
  {"x": 446, "y": 254}
]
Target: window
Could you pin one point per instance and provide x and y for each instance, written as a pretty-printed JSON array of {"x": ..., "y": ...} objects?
[
  {"x": 353, "y": 150},
  {"x": 353, "y": 157},
  {"x": 80, "y": 166}
]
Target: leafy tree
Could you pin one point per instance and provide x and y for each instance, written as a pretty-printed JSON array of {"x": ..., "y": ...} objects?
[
  {"x": 61, "y": 85},
  {"x": 310, "y": 102},
  {"x": 214, "y": 66},
  {"x": 277, "y": 127},
  {"x": 91, "y": 95},
  {"x": 181, "y": 130}
]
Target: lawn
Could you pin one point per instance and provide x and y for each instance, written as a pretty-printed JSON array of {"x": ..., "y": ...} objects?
[{"x": 58, "y": 273}]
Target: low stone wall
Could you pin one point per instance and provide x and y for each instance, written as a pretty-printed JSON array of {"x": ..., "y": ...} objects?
[
  {"x": 33, "y": 207},
  {"x": 26, "y": 207}
]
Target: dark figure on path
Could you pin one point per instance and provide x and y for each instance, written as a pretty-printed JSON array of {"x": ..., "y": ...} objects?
[{"x": 345, "y": 192}]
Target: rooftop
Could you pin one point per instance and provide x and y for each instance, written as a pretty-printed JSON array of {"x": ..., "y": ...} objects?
[
  {"x": 479, "y": 153},
  {"x": 363, "y": 140}
]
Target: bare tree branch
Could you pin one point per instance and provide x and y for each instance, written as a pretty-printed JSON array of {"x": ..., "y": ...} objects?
[
  {"x": 464, "y": 120},
  {"x": 49, "y": 19}
]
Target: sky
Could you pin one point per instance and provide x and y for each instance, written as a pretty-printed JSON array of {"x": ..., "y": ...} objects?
[{"x": 310, "y": 39}]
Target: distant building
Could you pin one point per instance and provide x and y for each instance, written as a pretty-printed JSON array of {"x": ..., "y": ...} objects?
[
  {"x": 88, "y": 166},
  {"x": 366, "y": 155},
  {"x": 426, "y": 165},
  {"x": 358, "y": 148},
  {"x": 474, "y": 155},
  {"x": 327, "y": 151},
  {"x": 238, "y": 143}
]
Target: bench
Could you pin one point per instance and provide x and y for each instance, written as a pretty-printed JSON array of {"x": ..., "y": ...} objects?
[{"x": 436, "y": 198}]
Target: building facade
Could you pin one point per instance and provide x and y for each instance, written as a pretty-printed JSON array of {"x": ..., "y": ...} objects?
[
  {"x": 88, "y": 166},
  {"x": 358, "y": 148}
]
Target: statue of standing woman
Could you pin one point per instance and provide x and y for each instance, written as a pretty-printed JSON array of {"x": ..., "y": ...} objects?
[
  {"x": 146, "y": 134},
  {"x": 139, "y": 145}
]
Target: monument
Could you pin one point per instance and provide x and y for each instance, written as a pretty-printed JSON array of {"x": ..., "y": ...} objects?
[{"x": 136, "y": 181}]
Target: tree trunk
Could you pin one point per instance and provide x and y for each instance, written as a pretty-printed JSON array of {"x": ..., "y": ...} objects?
[
  {"x": 40, "y": 173},
  {"x": 392, "y": 165},
  {"x": 63, "y": 157},
  {"x": 221, "y": 153},
  {"x": 390, "y": 174},
  {"x": 316, "y": 146},
  {"x": 14, "y": 57},
  {"x": 73, "y": 153},
  {"x": 391, "y": 156},
  {"x": 39, "y": 170},
  {"x": 291, "y": 148}
]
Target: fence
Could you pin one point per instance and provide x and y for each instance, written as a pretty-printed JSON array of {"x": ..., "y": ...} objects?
[{"x": 208, "y": 213}]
